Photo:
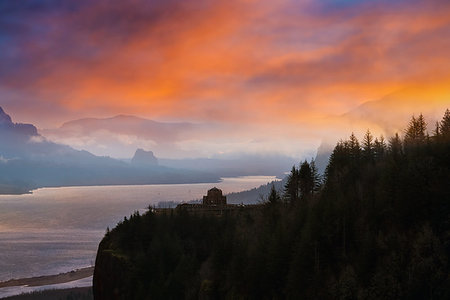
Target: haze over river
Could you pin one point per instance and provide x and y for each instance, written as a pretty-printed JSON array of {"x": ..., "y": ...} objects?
[{"x": 55, "y": 230}]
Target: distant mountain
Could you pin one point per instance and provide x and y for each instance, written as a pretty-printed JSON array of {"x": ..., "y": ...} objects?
[
  {"x": 323, "y": 156},
  {"x": 386, "y": 116},
  {"x": 256, "y": 195},
  {"x": 392, "y": 113},
  {"x": 28, "y": 161},
  {"x": 124, "y": 134},
  {"x": 124, "y": 124},
  {"x": 120, "y": 135}
]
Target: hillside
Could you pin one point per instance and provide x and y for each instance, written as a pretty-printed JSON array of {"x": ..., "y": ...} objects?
[
  {"x": 377, "y": 227},
  {"x": 29, "y": 161}
]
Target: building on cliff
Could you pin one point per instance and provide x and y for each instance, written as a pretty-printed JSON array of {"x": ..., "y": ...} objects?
[
  {"x": 214, "y": 203},
  {"x": 214, "y": 197}
]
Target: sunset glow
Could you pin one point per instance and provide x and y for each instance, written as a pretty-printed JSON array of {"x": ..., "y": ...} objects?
[{"x": 244, "y": 63}]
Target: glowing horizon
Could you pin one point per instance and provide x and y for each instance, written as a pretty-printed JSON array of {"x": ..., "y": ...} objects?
[{"x": 244, "y": 64}]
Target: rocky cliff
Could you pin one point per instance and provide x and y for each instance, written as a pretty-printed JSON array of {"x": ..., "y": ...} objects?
[
  {"x": 6, "y": 124},
  {"x": 144, "y": 158}
]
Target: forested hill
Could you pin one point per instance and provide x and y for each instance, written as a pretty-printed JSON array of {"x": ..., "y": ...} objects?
[{"x": 377, "y": 226}]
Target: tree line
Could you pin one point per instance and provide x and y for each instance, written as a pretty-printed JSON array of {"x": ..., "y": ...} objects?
[{"x": 376, "y": 225}]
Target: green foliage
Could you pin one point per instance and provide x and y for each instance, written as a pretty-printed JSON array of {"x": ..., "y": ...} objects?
[{"x": 379, "y": 228}]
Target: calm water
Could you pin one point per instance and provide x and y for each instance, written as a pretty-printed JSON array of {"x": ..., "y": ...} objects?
[{"x": 56, "y": 230}]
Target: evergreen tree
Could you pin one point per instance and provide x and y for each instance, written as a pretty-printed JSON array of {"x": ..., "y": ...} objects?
[
  {"x": 396, "y": 146},
  {"x": 354, "y": 147},
  {"x": 416, "y": 131},
  {"x": 274, "y": 197},
  {"x": 445, "y": 125},
  {"x": 437, "y": 130},
  {"x": 379, "y": 147},
  {"x": 306, "y": 180},
  {"x": 368, "y": 146},
  {"x": 317, "y": 180},
  {"x": 338, "y": 159},
  {"x": 291, "y": 189}
]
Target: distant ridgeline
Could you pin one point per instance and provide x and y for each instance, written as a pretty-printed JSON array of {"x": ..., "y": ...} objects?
[
  {"x": 376, "y": 226},
  {"x": 29, "y": 161}
]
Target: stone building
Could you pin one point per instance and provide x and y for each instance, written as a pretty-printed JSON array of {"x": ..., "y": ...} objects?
[{"x": 214, "y": 197}]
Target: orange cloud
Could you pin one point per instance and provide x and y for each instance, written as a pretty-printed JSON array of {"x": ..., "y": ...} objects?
[{"x": 253, "y": 63}]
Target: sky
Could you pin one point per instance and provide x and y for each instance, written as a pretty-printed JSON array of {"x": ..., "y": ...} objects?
[{"x": 266, "y": 72}]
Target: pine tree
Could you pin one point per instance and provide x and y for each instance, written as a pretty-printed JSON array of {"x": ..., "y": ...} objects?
[
  {"x": 437, "y": 130},
  {"x": 445, "y": 125},
  {"x": 354, "y": 147},
  {"x": 416, "y": 131},
  {"x": 368, "y": 146},
  {"x": 274, "y": 198},
  {"x": 379, "y": 147},
  {"x": 317, "y": 180},
  {"x": 291, "y": 189},
  {"x": 306, "y": 181},
  {"x": 396, "y": 146},
  {"x": 338, "y": 159}
]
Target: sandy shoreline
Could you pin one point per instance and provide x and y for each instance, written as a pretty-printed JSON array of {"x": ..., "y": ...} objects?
[{"x": 50, "y": 279}]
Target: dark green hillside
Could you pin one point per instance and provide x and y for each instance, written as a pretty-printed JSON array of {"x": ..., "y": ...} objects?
[{"x": 377, "y": 226}]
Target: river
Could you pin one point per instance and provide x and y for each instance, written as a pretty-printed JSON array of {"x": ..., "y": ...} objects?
[{"x": 55, "y": 230}]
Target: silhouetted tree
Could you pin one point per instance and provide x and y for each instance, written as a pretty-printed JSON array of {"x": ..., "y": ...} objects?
[
  {"x": 368, "y": 146},
  {"x": 379, "y": 147},
  {"x": 274, "y": 197},
  {"x": 445, "y": 125},
  {"x": 437, "y": 130},
  {"x": 306, "y": 180},
  {"x": 291, "y": 189},
  {"x": 317, "y": 180},
  {"x": 396, "y": 146},
  {"x": 354, "y": 148},
  {"x": 416, "y": 131}
]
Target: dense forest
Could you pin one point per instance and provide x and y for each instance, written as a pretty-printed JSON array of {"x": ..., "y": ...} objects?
[{"x": 376, "y": 225}]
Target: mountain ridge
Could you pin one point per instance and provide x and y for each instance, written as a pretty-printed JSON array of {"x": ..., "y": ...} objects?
[{"x": 29, "y": 161}]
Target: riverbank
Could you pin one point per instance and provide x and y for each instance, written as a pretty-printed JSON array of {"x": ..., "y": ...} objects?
[
  {"x": 78, "y": 293},
  {"x": 50, "y": 279}
]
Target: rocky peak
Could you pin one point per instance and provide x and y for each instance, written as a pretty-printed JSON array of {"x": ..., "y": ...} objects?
[
  {"x": 5, "y": 119},
  {"x": 143, "y": 157},
  {"x": 15, "y": 128}
]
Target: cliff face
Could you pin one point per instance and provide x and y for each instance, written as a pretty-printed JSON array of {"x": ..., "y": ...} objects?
[
  {"x": 164, "y": 256},
  {"x": 110, "y": 275}
]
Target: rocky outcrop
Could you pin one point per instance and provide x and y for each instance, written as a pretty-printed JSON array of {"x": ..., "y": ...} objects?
[
  {"x": 145, "y": 158},
  {"x": 5, "y": 119},
  {"x": 7, "y": 125}
]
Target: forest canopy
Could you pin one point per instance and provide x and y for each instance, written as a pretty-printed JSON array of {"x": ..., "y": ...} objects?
[{"x": 376, "y": 225}]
